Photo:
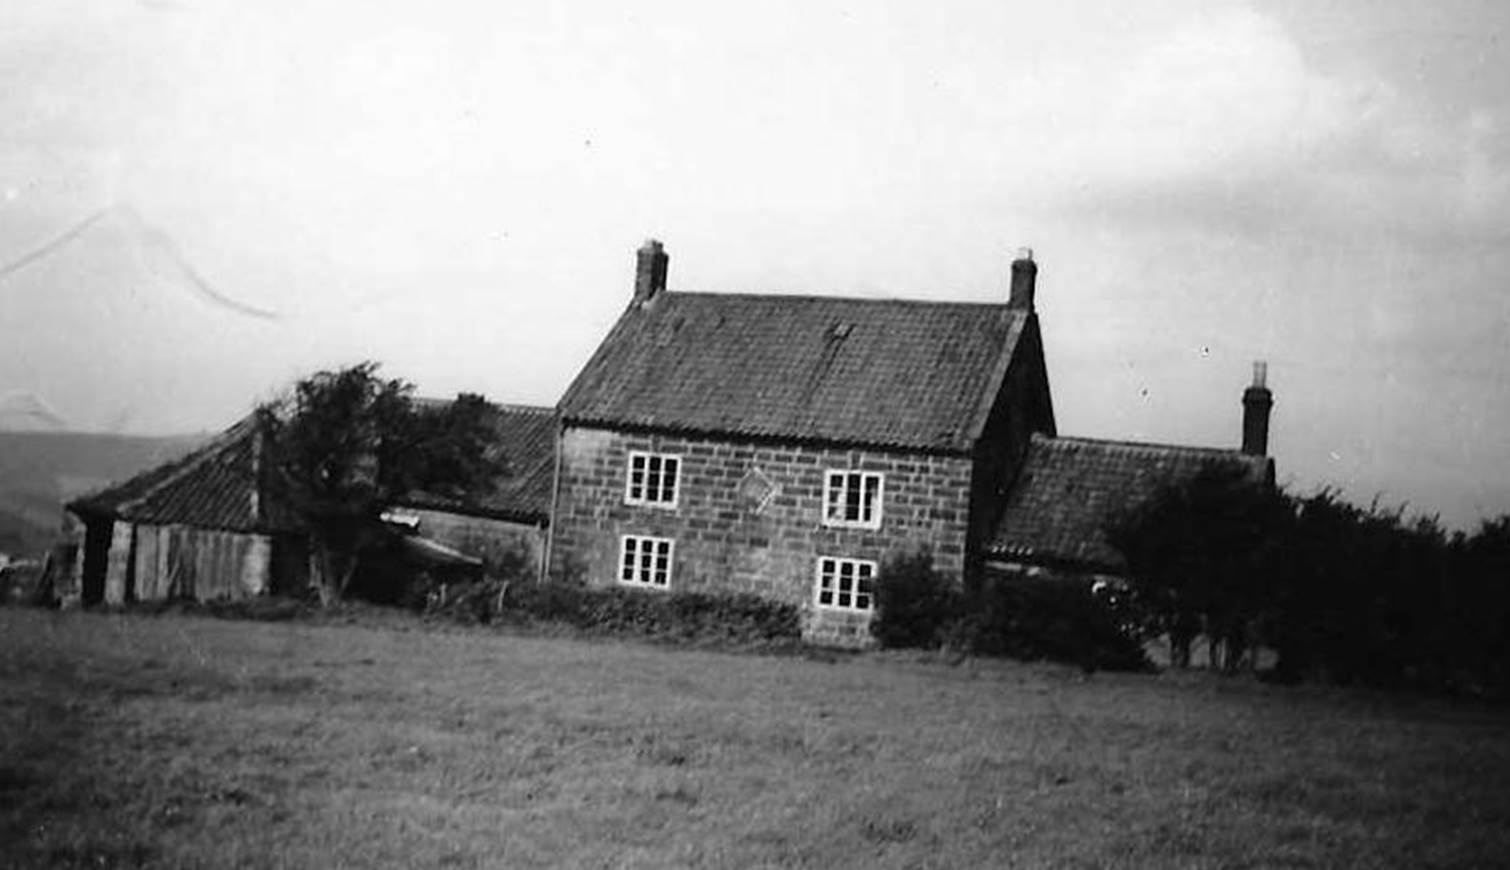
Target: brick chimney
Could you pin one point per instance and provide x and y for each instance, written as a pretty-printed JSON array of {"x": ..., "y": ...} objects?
[
  {"x": 649, "y": 271},
  {"x": 1257, "y": 400},
  {"x": 1024, "y": 277}
]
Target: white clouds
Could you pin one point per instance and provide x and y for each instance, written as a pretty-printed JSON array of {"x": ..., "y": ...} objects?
[
  {"x": 457, "y": 187},
  {"x": 1223, "y": 123}
]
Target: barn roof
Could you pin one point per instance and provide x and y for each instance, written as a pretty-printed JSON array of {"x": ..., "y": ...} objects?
[
  {"x": 1070, "y": 487},
  {"x": 864, "y": 371},
  {"x": 525, "y": 436},
  {"x": 220, "y": 486}
]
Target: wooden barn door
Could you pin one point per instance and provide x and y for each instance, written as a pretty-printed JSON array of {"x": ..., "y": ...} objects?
[{"x": 181, "y": 558}]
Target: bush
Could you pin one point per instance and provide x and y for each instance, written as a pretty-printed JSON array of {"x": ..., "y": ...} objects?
[
  {"x": 1029, "y": 618},
  {"x": 916, "y": 606},
  {"x": 1055, "y": 618},
  {"x": 678, "y": 616}
]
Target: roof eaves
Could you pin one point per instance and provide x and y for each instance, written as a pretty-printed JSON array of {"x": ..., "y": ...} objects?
[{"x": 934, "y": 449}]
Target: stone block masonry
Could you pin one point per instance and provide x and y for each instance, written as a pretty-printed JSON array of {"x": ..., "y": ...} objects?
[
  {"x": 500, "y": 542},
  {"x": 748, "y": 517}
]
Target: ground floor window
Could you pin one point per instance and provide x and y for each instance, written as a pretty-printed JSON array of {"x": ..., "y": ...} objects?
[
  {"x": 846, "y": 584},
  {"x": 645, "y": 561}
]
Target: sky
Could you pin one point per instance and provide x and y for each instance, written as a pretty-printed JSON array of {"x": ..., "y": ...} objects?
[{"x": 201, "y": 201}]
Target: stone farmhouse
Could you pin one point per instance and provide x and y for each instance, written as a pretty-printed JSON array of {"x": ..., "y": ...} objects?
[{"x": 785, "y": 446}]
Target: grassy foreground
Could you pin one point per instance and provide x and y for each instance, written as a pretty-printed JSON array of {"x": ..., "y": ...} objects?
[{"x": 178, "y": 741}]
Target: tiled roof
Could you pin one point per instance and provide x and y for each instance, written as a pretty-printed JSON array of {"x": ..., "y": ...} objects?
[
  {"x": 878, "y": 372},
  {"x": 217, "y": 486},
  {"x": 1070, "y": 487},
  {"x": 213, "y": 486},
  {"x": 526, "y": 438}
]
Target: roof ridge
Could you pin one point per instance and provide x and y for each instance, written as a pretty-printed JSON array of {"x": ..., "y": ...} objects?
[
  {"x": 820, "y": 297},
  {"x": 541, "y": 410},
  {"x": 1142, "y": 445}
]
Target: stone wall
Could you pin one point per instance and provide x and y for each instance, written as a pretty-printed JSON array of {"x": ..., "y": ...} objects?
[
  {"x": 726, "y": 541},
  {"x": 496, "y": 541}
]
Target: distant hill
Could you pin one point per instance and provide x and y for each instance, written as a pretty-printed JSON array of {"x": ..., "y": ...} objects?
[{"x": 39, "y": 471}]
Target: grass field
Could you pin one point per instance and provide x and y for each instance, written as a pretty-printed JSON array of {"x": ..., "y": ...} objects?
[{"x": 179, "y": 741}]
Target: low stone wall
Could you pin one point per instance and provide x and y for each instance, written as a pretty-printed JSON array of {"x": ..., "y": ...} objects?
[{"x": 498, "y": 542}]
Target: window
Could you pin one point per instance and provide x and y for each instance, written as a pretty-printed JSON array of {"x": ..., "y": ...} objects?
[
  {"x": 846, "y": 584},
  {"x": 652, "y": 479},
  {"x": 645, "y": 562},
  {"x": 852, "y": 498}
]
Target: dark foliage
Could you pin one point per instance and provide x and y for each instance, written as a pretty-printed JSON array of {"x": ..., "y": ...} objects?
[
  {"x": 345, "y": 445},
  {"x": 1010, "y": 616},
  {"x": 1059, "y": 619},
  {"x": 915, "y": 607},
  {"x": 674, "y": 616},
  {"x": 1199, "y": 554},
  {"x": 682, "y": 616},
  {"x": 1364, "y": 596},
  {"x": 1342, "y": 593}
]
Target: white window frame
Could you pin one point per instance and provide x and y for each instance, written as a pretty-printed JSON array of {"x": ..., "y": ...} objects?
[
  {"x": 829, "y": 498},
  {"x": 644, "y": 550},
  {"x": 646, "y": 497},
  {"x": 834, "y": 589}
]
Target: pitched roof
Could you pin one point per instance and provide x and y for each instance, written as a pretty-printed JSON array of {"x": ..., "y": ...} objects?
[
  {"x": 878, "y": 372},
  {"x": 218, "y": 486},
  {"x": 214, "y": 486},
  {"x": 525, "y": 435},
  {"x": 1070, "y": 487}
]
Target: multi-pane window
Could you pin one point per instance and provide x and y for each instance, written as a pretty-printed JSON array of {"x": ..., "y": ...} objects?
[
  {"x": 652, "y": 479},
  {"x": 848, "y": 584},
  {"x": 852, "y": 498},
  {"x": 645, "y": 561}
]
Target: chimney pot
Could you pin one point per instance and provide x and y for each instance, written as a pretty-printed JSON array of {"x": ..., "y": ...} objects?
[
  {"x": 1024, "y": 280},
  {"x": 1257, "y": 402},
  {"x": 650, "y": 264}
]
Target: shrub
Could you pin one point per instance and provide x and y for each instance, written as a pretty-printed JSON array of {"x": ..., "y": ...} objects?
[
  {"x": 1013, "y": 616},
  {"x": 916, "y": 606},
  {"x": 679, "y": 616},
  {"x": 1055, "y": 618}
]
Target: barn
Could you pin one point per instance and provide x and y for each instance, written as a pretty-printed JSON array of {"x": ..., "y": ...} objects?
[
  {"x": 212, "y": 525},
  {"x": 204, "y": 526}
]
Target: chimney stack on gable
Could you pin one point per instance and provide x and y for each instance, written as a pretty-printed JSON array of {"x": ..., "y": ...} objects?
[
  {"x": 1024, "y": 277},
  {"x": 649, "y": 271},
  {"x": 1257, "y": 400}
]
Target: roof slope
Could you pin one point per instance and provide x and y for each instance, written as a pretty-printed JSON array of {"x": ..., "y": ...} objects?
[
  {"x": 1070, "y": 487},
  {"x": 221, "y": 486},
  {"x": 879, "y": 372},
  {"x": 218, "y": 486},
  {"x": 525, "y": 435}
]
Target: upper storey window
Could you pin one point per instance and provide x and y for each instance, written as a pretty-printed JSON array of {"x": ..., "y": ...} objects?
[
  {"x": 852, "y": 498},
  {"x": 653, "y": 479}
]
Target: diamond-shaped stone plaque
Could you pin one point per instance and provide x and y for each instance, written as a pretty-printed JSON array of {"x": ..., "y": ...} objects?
[{"x": 756, "y": 489}]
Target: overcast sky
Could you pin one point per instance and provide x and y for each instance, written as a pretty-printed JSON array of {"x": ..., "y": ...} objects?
[{"x": 457, "y": 188}]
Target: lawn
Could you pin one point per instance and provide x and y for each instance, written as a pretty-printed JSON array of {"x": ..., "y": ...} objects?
[{"x": 180, "y": 741}]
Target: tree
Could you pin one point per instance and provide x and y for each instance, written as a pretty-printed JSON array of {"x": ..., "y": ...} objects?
[
  {"x": 1199, "y": 553},
  {"x": 346, "y": 445}
]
